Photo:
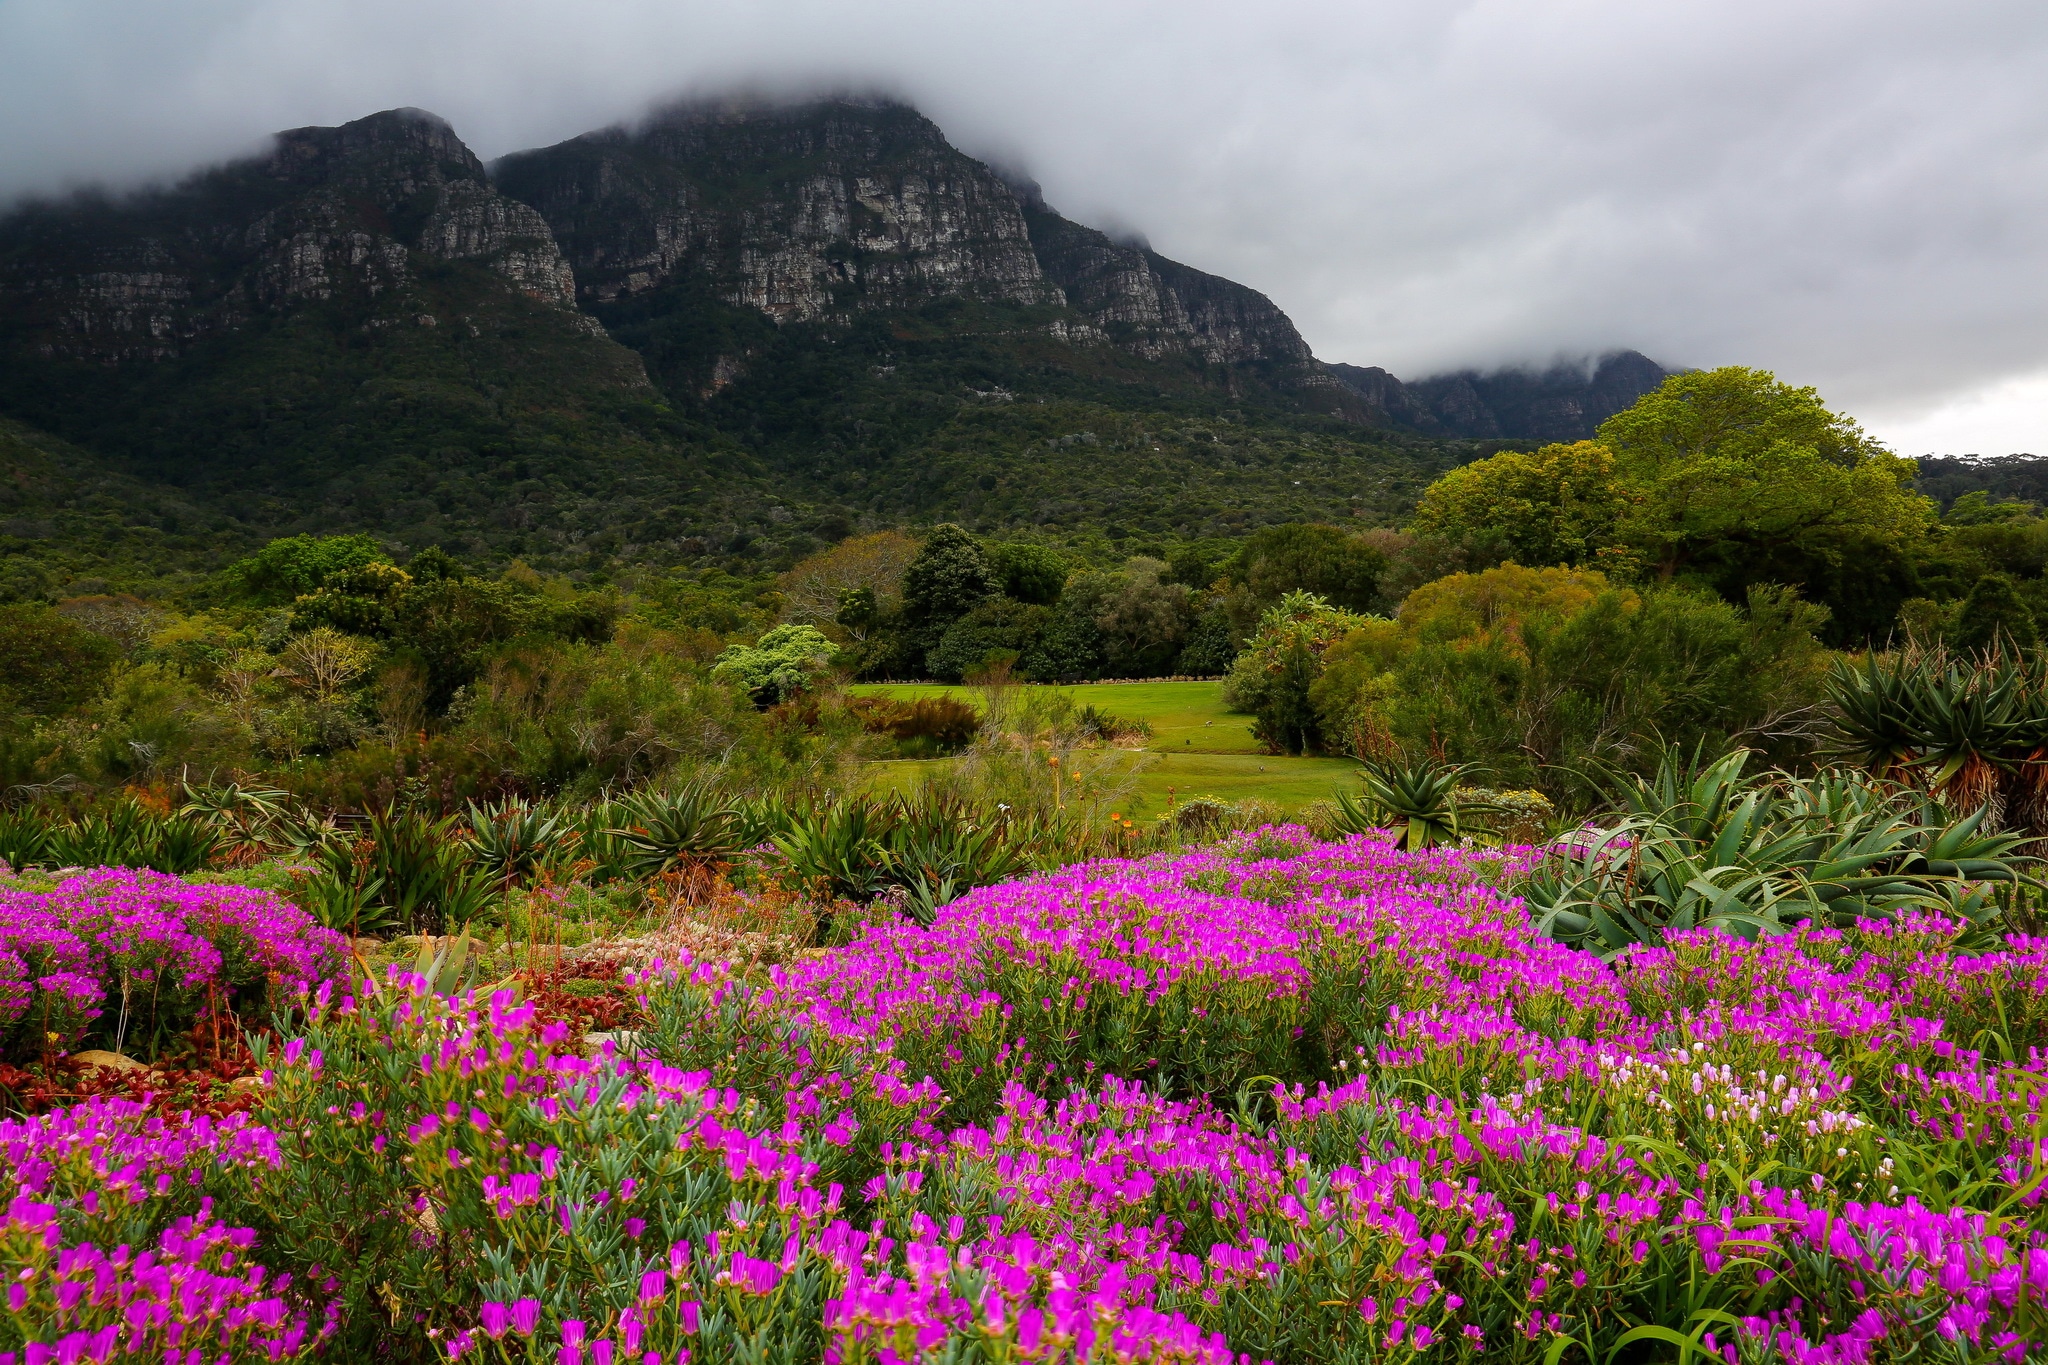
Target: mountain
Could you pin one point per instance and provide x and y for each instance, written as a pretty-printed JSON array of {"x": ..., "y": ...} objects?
[
  {"x": 1562, "y": 403},
  {"x": 735, "y": 330},
  {"x": 355, "y": 329},
  {"x": 823, "y": 212}
]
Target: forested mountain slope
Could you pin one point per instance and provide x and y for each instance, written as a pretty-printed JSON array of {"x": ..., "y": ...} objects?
[{"x": 735, "y": 330}]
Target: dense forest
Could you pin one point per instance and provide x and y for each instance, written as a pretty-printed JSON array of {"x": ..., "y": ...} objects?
[{"x": 1687, "y": 578}]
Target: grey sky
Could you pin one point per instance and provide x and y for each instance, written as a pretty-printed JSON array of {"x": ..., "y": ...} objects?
[{"x": 1853, "y": 194}]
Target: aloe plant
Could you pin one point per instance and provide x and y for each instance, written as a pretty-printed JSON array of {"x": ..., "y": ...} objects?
[
  {"x": 1972, "y": 730},
  {"x": 1419, "y": 802},
  {"x": 690, "y": 827},
  {"x": 1694, "y": 847},
  {"x": 941, "y": 849},
  {"x": 406, "y": 871},
  {"x": 512, "y": 841}
]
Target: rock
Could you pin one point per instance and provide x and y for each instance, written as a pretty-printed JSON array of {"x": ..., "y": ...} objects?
[
  {"x": 246, "y": 1083},
  {"x": 853, "y": 205},
  {"x": 624, "y": 1040},
  {"x": 328, "y": 214},
  {"x": 112, "y": 1061}
]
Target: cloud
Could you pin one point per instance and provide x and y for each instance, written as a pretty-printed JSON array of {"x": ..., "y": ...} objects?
[{"x": 1850, "y": 192}]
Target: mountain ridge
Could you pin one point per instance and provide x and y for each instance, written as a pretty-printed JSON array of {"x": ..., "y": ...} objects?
[{"x": 735, "y": 329}]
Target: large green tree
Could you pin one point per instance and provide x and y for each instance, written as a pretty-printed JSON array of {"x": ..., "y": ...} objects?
[
  {"x": 1311, "y": 558},
  {"x": 1744, "y": 480},
  {"x": 949, "y": 576},
  {"x": 1562, "y": 504}
]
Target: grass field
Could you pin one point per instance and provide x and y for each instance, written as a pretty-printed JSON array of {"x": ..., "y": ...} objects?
[
  {"x": 1197, "y": 748},
  {"x": 1186, "y": 717}
]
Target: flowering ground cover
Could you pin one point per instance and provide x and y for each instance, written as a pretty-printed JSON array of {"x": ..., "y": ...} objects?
[
  {"x": 124, "y": 955},
  {"x": 1266, "y": 1100}
]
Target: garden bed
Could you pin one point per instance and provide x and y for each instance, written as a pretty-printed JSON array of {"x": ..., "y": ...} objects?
[{"x": 1297, "y": 1101}]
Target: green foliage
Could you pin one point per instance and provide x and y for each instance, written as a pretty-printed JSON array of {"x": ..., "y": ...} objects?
[
  {"x": 1562, "y": 504},
  {"x": 53, "y": 664},
  {"x": 1992, "y": 616},
  {"x": 942, "y": 848},
  {"x": 513, "y": 841},
  {"x": 784, "y": 663},
  {"x": 405, "y": 872},
  {"x": 1028, "y": 572},
  {"x": 948, "y": 577},
  {"x": 294, "y": 566},
  {"x": 994, "y": 630},
  {"x": 1274, "y": 678},
  {"x": 1744, "y": 480},
  {"x": 1143, "y": 618},
  {"x": 1544, "y": 676},
  {"x": 1211, "y": 645},
  {"x": 1424, "y": 804},
  {"x": 1323, "y": 560},
  {"x": 1699, "y": 845},
  {"x": 689, "y": 828},
  {"x": 1968, "y": 728},
  {"x": 121, "y": 834},
  {"x": 839, "y": 852},
  {"x": 1070, "y": 649}
]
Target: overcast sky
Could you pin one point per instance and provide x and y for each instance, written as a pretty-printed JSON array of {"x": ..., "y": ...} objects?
[{"x": 1854, "y": 194}]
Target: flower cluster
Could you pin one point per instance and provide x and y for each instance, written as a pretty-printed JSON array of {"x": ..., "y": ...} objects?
[
  {"x": 192, "y": 1298},
  {"x": 1272, "y": 1100},
  {"x": 117, "y": 939}
]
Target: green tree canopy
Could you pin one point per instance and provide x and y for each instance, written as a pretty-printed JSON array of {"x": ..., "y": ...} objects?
[
  {"x": 949, "y": 575},
  {"x": 1742, "y": 476},
  {"x": 1562, "y": 504},
  {"x": 1027, "y": 572},
  {"x": 53, "y": 663},
  {"x": 785, "y": 662},
  {"x": 1993, "y": 615},
  {"x": 297, "y": 565},
  {"x": 1311, "y": 558}
]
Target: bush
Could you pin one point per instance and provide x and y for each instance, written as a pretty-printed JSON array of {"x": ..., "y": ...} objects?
[
  {"x": 1547, "y": 677},
  {"x": 1273, "y": 678},
  {"x": 997, "y": 628},
  {"x": 937, "y": 724},
  {"x": 135, "y": 955},
  {"x": 53, "y": 663},
  {"x": 784, "y": 663}
]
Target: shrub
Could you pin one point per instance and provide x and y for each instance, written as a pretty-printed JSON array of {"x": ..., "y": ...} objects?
[
  {"x": 936, "y": 724},
  {"x": 135, "y": 955},
  {"x": 784, "y": 663},
  {"x": 53, "y": 664},
  {"x": 1701, "y": 846}
]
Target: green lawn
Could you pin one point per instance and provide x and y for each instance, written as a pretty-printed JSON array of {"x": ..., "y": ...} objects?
[
  {"x": 1197, "y": 748},
  {"x": 1187, "y": 717}
]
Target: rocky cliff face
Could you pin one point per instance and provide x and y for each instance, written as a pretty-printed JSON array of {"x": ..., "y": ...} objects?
[
  {"x": 836, "y": 207},
  {"x": 1154, "y": 306},
  {"x": 1563, "y": 403},
  {"x": 349, "y": 212},
  {"x": 800, "y": 213}
]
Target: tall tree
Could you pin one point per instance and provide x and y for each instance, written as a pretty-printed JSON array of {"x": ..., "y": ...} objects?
[
  {"x": 949, "y": 575},
  {"x": 1562, "y": 504},
  {"x": 1737, "y": 469},
  {"x": 1305, "y": 557}
]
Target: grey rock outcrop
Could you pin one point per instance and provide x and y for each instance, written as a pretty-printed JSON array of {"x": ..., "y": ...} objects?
[
  {"x": 822, "y": 210},
  {"x": 799, "y": 212},
  {"x": 326, "y": 213},
  {"x": 1154, "y": 306}
]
